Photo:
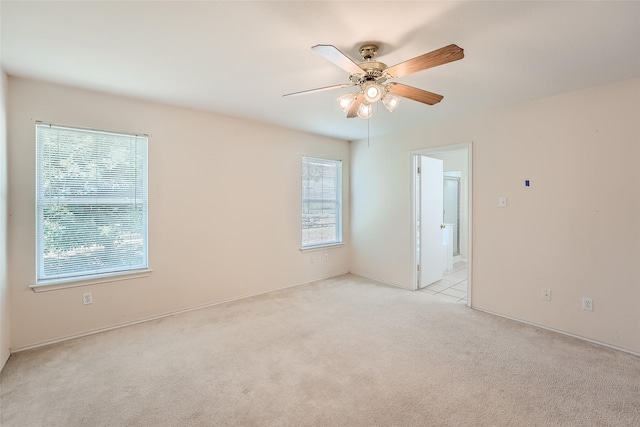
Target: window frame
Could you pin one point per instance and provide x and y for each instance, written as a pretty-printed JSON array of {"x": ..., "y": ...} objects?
[
  {"x": 338, "y": 201},
  {"x": 45, "y": 281}
]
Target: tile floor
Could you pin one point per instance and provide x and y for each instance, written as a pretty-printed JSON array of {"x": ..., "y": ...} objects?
[{"x": 453, "y": 285}]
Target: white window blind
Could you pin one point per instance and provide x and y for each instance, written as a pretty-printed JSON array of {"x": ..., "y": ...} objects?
[
  {"x": 321, "y": 202},
  {"x": 91, "y": 201}
]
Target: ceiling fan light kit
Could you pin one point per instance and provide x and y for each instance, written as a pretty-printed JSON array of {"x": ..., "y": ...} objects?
[
  {"x": 345, "y": 101},
  {"x": 364, "y": 110},
  {"x": 371, "y": 77},
  {"x": 372, "y": 91},
  {"x": 390, "y": 101}
]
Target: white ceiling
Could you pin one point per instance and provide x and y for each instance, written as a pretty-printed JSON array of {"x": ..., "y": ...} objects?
[{"x": 238, "y": 58}]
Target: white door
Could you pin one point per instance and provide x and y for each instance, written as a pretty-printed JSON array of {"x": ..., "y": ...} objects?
[{"x": 432, "y": 251}]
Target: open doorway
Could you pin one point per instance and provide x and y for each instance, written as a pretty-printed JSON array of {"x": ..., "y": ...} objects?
[{"x": 441, "y": 206}]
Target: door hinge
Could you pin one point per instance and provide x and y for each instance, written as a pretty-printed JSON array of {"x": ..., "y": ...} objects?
[
  {"x": 418, "y": 267},
  {"x": 418, "y": 170}
]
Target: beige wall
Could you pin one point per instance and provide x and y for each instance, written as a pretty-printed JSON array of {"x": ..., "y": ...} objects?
[
  {"x": 575, "y": 231},
  {"x": 224, "y": 211},
  {"x": 4, "y": 291},
  {"x": 225, "y": 200}
]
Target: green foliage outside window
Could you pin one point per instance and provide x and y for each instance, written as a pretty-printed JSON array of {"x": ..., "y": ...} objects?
[{"x": 92, "y": 202}]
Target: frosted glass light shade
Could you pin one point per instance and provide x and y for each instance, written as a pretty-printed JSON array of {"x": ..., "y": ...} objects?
[
  {"x": 372, "y": 92},
  {"x": 390, "y": 101},
  {"x": 364, "y": 111},
  {"x": 345, "y": 101}
]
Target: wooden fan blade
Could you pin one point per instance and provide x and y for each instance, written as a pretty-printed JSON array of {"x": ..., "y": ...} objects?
[
  {"x": 353, "y": 110},
  {"x": 428, "y": 60},
  {"x": 414, "y": 93},
  {"x": 320, "y": 89},
  {"x": 332, "y": 53}
]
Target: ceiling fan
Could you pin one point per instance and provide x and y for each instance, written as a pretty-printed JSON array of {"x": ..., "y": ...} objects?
[{"x": 372, "y": 78}]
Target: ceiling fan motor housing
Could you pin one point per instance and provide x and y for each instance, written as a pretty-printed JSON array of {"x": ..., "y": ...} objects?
[{"x": 371, "y": 71}]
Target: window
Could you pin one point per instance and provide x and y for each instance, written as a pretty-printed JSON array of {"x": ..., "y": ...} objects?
[
  {"x": 321, "y": 202},
  {"x": 91, "y": 201}
]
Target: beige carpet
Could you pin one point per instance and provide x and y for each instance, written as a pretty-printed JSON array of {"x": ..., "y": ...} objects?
[{"x": 340, "y": 352}]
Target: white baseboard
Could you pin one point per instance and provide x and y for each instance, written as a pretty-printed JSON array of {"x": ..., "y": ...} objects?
[
  {"x": 4, "y": 362},
  {"x": 382, "y": 281},
  {"x": 186, "y": 310},
  {"x": 558, "y": 331},
  {"x": 160, "y": 316}
]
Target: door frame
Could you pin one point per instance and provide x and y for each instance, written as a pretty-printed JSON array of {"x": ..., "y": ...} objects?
[{"x": 468, "y": 146}]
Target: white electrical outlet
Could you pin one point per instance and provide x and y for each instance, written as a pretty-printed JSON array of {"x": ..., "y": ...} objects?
[
  {"x": 312, "y": 260},
  {"x": 87, "y": 298},
  {"x": 546, "y": 295},
  {"x": 502, "y": 201},
  {"x": 587, "y": 304},
  {"x": 326, "y": 257}
]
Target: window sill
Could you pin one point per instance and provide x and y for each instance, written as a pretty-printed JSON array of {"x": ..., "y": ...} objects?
[
  {"x": 321, "y": 247},
  {"x": 53, "y": 285}
]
